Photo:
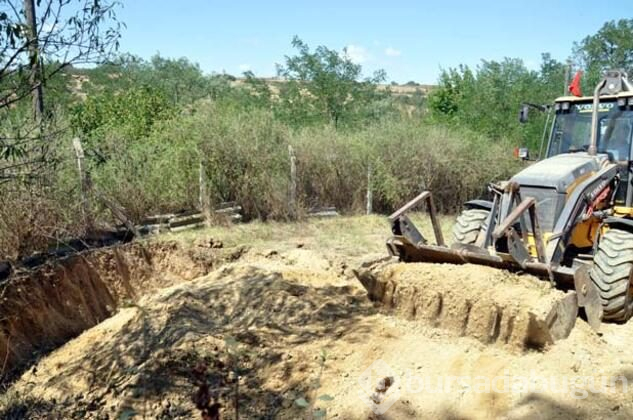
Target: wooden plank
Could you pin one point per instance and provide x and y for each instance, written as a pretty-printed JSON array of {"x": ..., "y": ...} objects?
[
  {"x": 292, "y": 199},
  {"x": 84, "y": 182},
  {"x": 227, "y": 204},
  {"x": 186, "y": 227},
  {"x": 186, "y": 220},
  {"x": 157, "y": 219},
  {"x": 326, "y": 213},
  {"x": 229, "y": 210}
]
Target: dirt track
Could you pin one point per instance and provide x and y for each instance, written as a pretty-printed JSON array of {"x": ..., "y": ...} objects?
[{"x": 266, "y": 318}]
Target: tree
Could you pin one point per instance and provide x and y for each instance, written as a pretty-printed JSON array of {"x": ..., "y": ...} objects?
[
  {"x": 488, "y": 98},
  {"x": 325, "y": 84},
  {"x": 610, "y": 48},
  {"x": 181, "y": 79},
  {"x": 133, "y": 112},
  {"x": 38, "y": 40},
  {"x": 57, "y": 32}
]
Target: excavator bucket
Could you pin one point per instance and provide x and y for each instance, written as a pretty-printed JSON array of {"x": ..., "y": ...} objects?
[
  {"x": 468, "y": 300},
  {"x": 489, "y": 305}
]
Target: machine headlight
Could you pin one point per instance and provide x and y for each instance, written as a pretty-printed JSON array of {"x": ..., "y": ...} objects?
[{"x": 566, "y": 106}]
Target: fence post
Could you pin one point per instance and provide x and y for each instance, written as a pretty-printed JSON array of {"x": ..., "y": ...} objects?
[
  {"x": 84, "y": 183},
  {"x": 203, "y": 196},
  {"x": 292, "y": 195},
  {"x": 370, "y": 195}
]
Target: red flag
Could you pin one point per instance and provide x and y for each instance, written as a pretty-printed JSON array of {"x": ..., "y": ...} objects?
[{"x": 574, "y": 87}]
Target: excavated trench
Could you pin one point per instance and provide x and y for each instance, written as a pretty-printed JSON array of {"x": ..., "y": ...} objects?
[{"x": 44, "y": 308}]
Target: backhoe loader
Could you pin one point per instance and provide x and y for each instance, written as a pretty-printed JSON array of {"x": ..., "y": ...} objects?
[{"x": 567, "y": 219}]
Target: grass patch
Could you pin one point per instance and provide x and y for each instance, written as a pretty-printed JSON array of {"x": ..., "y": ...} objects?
[{"x": 356, "y": 235}]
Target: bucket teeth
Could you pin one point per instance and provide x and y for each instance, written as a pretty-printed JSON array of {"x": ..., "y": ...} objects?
[{"x": 493, "y": 306}]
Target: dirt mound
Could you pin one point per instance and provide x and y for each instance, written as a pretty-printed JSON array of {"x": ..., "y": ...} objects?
[
  {"x": 286, "y": 324},
  {"x": 46, "y": 307},
  {"x": 142, "y": 359},
  {"x": 256, "y": 328},
  {"x": 491, "y": 305}
]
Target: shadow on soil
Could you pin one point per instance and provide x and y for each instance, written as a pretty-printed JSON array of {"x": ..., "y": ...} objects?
[{"x": 243, "y": 321}]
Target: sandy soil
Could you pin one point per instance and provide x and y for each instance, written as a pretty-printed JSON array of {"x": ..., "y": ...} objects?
[{"x": 288, "y": 325}]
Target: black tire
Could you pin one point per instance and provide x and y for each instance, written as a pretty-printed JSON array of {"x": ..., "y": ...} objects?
[
  {"x": 468, "y": 226},
  {"x": 611, "y": 273}
]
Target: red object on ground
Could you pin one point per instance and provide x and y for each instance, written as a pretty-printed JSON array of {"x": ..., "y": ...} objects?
[{"x": 574, "y": 87}]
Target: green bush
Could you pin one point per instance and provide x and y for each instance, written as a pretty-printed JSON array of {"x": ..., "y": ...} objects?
[
  {"x": 244, "y": 156},
  {"x": 132, "y": 113},
  {"x": 406, "y": 157},
  {"x": 246, "y": 159}
]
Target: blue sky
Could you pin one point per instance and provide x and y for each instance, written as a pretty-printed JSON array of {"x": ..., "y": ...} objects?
[{"x": 410, "y": 40}]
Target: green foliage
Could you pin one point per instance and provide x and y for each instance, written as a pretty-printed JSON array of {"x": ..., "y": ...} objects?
[
  {"x": 246, "y": 159},
  {"x": 610, "y": 48},
  {"x": 302, "y": 403},
  {"x": 324, "y": 85},
  {"x": 66, "y": 32},
  {"x": 148, "y": 125},
  {"x": 487, "y": 99},
  {"x": 180, "y": 80},
  {"x": 131, "y": 113}
]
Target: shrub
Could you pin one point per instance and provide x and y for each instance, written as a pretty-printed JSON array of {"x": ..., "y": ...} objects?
[
  {"x": 406, "y": 157},
  {"x": 245, "y": 157},
  {"x": 39, "y": 211}
]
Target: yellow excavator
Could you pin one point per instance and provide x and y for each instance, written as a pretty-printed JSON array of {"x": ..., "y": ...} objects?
[{"x": 567, "y": 218}]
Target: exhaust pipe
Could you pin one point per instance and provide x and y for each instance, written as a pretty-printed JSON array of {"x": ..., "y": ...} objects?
[
  {"x": 612, "y": 83},
  {"x": 593, "y": 146}
]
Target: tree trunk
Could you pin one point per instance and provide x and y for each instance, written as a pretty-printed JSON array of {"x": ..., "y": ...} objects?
[{"x": 35, "y": 78}]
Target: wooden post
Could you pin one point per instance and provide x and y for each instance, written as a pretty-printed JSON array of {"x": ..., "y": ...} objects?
[
  {"x": 84, "y": 183},
  {"x": 292, "y": 196},
  {"x": 205, "y": 206},
  {"x": 35, "y": 78},
  {"x": 370, "y": 196}
]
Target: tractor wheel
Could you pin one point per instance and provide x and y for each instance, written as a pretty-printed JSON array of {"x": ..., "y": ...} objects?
[
  {"x": 468, "y": 226},
  {"x": 611, "y": 273}
]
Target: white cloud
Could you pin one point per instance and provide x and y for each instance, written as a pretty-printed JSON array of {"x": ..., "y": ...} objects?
[
  {"x": 244, "y": 67},
  {"x": 357, "y": 53},
  {"x": 392, "y": 52}
]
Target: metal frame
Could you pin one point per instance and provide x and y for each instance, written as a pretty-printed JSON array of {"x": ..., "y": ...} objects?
[{"x": 402, "y": 225}]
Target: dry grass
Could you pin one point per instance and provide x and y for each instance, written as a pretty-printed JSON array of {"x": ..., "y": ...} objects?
[{"x": 355, "y": 235}]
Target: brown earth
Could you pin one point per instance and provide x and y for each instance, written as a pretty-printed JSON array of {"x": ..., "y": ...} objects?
[
  {"x": 43, "y": 308},
  {"x": 287, "y": 321},
  {"x": 487, "y": 304}
]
